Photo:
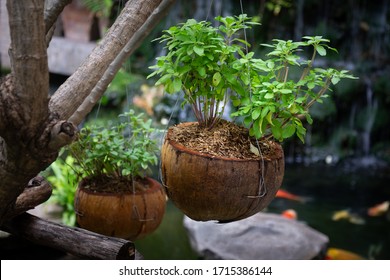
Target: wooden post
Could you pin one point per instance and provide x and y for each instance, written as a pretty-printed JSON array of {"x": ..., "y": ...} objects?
[{"x": 76, "y": 241}]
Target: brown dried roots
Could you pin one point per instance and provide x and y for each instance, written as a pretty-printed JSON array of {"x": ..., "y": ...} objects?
[{"x": 226, "y": 139}]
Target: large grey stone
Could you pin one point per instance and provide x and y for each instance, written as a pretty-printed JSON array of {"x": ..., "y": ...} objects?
[{"x": 262, "y": 236}]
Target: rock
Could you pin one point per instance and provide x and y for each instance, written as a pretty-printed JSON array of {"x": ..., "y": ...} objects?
[
  {"x": 262, "y": 236},
  {"x": 48, "y": 211}
]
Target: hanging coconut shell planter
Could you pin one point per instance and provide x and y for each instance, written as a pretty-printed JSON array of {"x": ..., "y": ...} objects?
[
  {"x": 211, "y": 65},
  {"x": 116, "y": 196},
  {"x": 129, "y": 215},
  {"x": 208, "y": 187}
]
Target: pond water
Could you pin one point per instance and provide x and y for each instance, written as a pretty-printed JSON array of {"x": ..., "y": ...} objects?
[
  {"x": 333, "y": 188},
  {"x": 326, "y": 190}
]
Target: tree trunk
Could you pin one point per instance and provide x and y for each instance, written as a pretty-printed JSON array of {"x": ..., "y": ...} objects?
[{"x": 33, "y": 127}]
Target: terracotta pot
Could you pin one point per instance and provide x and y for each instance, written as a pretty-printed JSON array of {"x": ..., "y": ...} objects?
[
  {"x": 125, "y": 215},
  {"x": 207, "y": 187},
  {"x": 77, "y": 22}
]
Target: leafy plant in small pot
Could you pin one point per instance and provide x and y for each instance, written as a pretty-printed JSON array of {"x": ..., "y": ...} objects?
[
  {"x": 117, "y": 198},
  {"x": 236, "y": 171}
]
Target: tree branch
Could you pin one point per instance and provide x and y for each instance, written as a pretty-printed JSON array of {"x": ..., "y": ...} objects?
[
  {"x": 98, "y": 91},
  {"x": 49, "y": 35},
  {"x": 62, "y": 134},
  {"x": 72, "y": 93},
  {"x": 37, "y": 191},
  {"x": 53, "y": 8},
  {"x": 29, "y": 59}
]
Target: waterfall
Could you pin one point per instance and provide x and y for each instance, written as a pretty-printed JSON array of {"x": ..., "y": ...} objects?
[
  {"x": 299, "y": 23},
  {"x": 380, "y": 33},
  {"x": 208, "y": 10},
  {"x": 371, "y": 110}
]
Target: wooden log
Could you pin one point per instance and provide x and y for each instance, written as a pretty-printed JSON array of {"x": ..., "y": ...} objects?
[{"x": 76, "y": 241}]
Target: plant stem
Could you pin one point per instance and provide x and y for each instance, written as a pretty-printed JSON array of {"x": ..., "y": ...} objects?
[
  {"x": 306, "y": 70},
  {"x": 212, "y": 107},
  {"x": 206, "y": 109},
  {"x": 286, "y": 74},
  {"x": 320, "y": 93}
]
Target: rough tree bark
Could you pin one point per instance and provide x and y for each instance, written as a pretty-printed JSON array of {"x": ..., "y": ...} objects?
[{"x": 33, "y": 126}]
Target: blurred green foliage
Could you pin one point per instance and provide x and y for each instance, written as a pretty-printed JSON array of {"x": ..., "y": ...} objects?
[{"x": 64, "y": 178}]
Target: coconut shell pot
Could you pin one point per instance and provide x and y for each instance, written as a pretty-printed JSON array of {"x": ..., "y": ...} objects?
[
  {"x": 208, "y": 187},
  {"x": 125, "y": 215}
]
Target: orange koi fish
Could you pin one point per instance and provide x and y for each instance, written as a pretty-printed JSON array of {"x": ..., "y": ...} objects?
[
  {"x": 346, "y": 214},
  {"x": 290, "y": 214},
  {"x": 341, "y": 254},
  {"x": 290, "y": 196},
  {"x": 378, "y": 209}
]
